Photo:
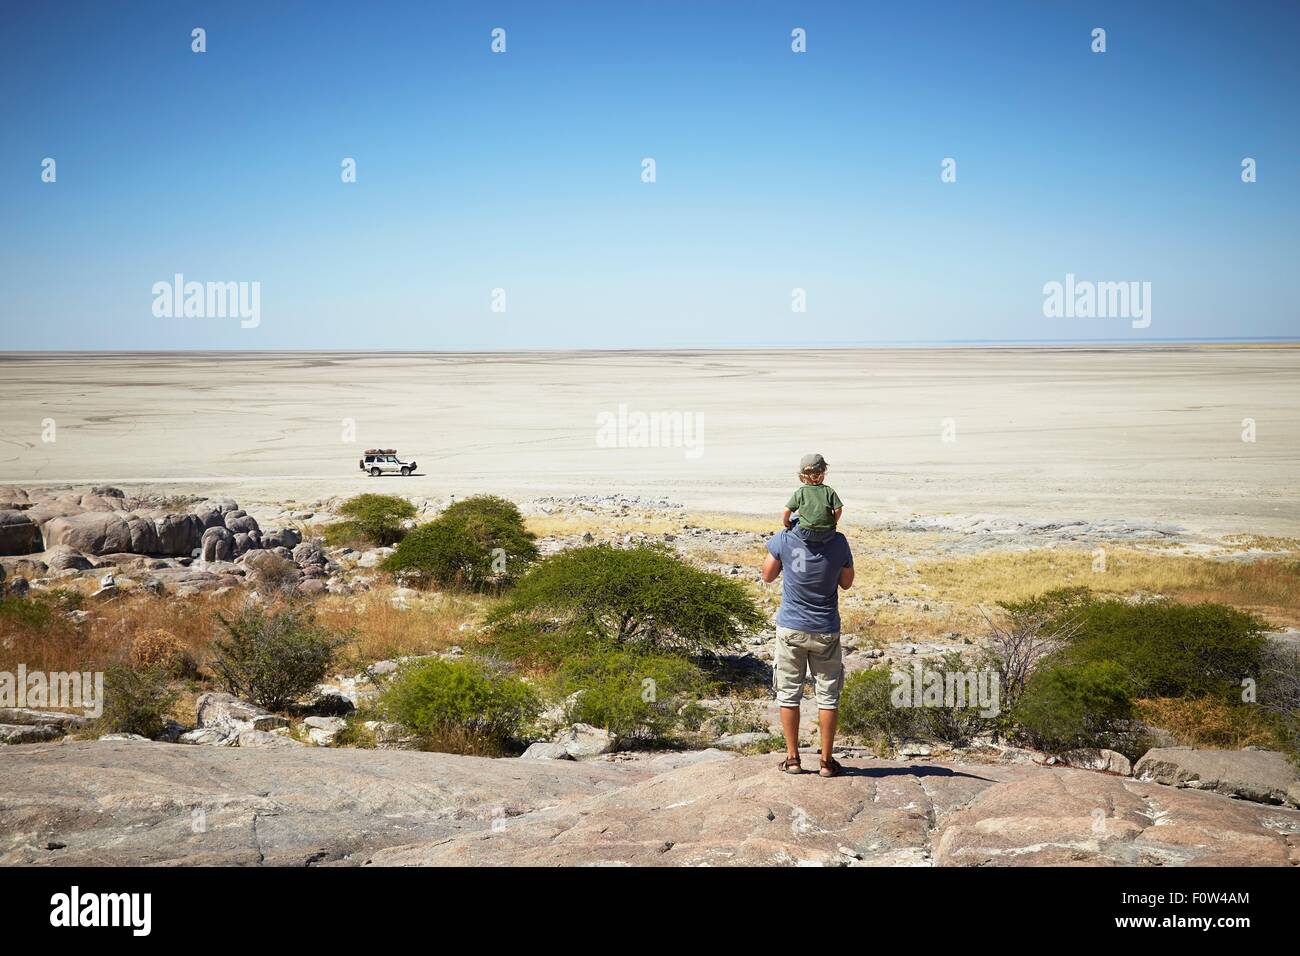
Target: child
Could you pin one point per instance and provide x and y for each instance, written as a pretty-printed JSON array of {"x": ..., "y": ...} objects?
[{"x": 818, "y": 505}]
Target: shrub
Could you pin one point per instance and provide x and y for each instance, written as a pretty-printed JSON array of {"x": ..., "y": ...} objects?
[
  {"x": 372, "y": 519},
  {"x": 476, "y": 544},
  {"x": 1082, "y": 705},
  {"x": 867, "y": 707},
  {"x": 458, "y": 707},
  {"x": 164, "y": 650},
  {"x": 1168, "y": 649},
  {"x": 639, "y": 697},
  {"x": 644, "y": 595},
  {"x": 136, "y": 701},
  {"x": 272, "y": 657}
]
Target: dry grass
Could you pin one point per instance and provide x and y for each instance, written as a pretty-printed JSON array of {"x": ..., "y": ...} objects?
[
  {"x": 380, "y": 631},
  {"x": 1211, "y": 723}
]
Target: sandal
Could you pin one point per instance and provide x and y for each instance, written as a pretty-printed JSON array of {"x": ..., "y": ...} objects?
[
  {"x": 830, "y": 768},
  {"x": 791, "y": 765}
]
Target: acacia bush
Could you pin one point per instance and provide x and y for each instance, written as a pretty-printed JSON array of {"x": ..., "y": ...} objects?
[
  {"x": 136, "y": 701},
  {"x": 639, "y": 697},
  {"x": 644, "y": 596},
  {"x": 459, "y": 706},
  {"x": 474, "y": 545},
  {"x": 371, "y": 519},
  {"x": 1077, "y": 705},
  {"x": 273, "y": 657}
]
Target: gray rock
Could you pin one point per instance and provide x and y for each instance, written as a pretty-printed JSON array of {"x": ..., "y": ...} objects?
[
  {"x": 545, "y": 750},
  {"x": 584, "y": 740},
  {"x": 322, "y": 730},
  {"x": 63, "y": 558},
  {"x": 740, "y": 741},
  {"x": 103, "y": 532},
  {"x": 262, "y": 739},
  {"x": 217, "y": 544},
  {"x": 1107, "y": 761},
  {"x": 124, "y": 737},
  {"x": 1262, "y": 776},
  {"x": 19, "y": 534},
  {"x": 59, "y": 720},
  {"x": 178, "y": 534},
  {"x": 124, "y": 803},
  {"x": 221, "y": 735},
  {"x": 227, "y": 711},
  {"x": 28, "y": 733}
]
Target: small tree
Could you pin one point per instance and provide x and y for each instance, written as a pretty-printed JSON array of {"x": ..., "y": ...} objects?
[
  {"x": 644, "y": 595},
  {"x": 273, "y": 658},
  {"x": 636, "y": 696},
  {"x": 476, "y": 544},
  {"x": 375, "y": 519}
]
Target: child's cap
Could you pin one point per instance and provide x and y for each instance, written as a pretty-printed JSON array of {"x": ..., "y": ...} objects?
[{"x": 811, "y": 461}]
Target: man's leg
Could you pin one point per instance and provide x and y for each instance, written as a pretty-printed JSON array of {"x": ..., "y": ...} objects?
[
  {"x": 826, "y": 722},
  {"x": 790, "y": 727}
]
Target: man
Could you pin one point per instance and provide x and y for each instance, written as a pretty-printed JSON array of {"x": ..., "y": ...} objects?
[{"x": 808, "y": 634}]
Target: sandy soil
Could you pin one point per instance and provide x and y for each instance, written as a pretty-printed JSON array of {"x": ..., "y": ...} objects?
[{"x": 1149, "y": 434}]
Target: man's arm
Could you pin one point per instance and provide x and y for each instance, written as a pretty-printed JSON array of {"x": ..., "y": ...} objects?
[
  {"x": 772, "y": 569},
  {"x": 846, "y": 577}
]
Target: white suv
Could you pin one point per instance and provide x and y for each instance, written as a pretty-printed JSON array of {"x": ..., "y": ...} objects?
[{"x": 384, "y": 461}]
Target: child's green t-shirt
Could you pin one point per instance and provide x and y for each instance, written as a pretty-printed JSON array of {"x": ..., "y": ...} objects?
[{"x": 816, "y": 505}]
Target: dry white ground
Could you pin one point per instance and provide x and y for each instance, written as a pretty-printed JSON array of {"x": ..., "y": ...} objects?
[{"x": 1152, "y": 433}]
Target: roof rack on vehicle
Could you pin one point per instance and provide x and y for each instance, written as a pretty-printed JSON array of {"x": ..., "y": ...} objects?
[{"x": 381, "y": 451}]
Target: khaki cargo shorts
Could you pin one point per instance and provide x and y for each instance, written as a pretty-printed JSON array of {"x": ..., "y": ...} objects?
[{"x": 800, "y": 653}]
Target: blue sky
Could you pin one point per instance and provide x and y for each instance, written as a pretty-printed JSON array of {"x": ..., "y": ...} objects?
[{"x": 522, "y": 171}]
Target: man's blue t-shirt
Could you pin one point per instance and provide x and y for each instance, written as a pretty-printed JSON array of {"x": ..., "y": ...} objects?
[{"x": 811, "y": 572}]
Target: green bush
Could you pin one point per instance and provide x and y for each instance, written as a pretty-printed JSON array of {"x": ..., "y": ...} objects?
[
  {"x": 458, "y": 707},
  {"x": 638, "y": 697},
  {"x": 867, "y": 707},
  {"x": 645, "y": 596},
  {"x": 371, "y": 519},
  {"x": 476, "y": 544},
  {"x": 1076, "y": 705},
  {"x": 272, "y": 657},
  {"x": 136, "y": 701},
  {"x": 1168, "y": 649}
]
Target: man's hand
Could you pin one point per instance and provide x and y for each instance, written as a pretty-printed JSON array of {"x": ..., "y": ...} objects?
[
  {"x": 772, "y": 569},
  {"x": 846, "y": 577}
]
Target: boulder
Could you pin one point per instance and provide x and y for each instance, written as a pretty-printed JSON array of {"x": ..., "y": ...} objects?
[
  {"x": 584, "y": 740},
  {"x": 740, "y": 741},
  {"x": 217, "y": 544},
  {"x": 264, "y": 739},
  {"x": 308, "y": 552},
  {"x": 28, "y": 733},
  {"x": 63, "y": 558},
  {"x": 103, "y": 532},
  {"x": 288, "y": 538},
  {"x": 225, "y": 710},
  {"x": 1106, "y": 761},
  {"x": 237, "y": 522},
  {"x": 178, "y": 534},
  {"x": 217, "y": 736},
  {"x": 545, "y": 750},
  {"x": 1262, "y": 776},
  {"x": 59, "y": 720},
  {"x": 19, "y": 534},
  {"x": 322, "y": 730}
]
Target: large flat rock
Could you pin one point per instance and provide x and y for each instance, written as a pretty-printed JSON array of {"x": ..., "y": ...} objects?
[
  {"x": 1265, "y": 776},
  {"x": 109, "y": 802},
  {"x": 139, "y": 802},
  {"x": 745, "y": 812}
]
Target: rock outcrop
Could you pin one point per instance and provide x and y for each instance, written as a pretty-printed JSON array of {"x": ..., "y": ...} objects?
[
  {"x": 134, "y": 802},
  {"x": 1265, "y": 776}
]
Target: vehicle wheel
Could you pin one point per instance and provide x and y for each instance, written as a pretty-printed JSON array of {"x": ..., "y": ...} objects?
[
  {"x": 406, "y": 472},
  {"x": 374, "y": 472}
]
